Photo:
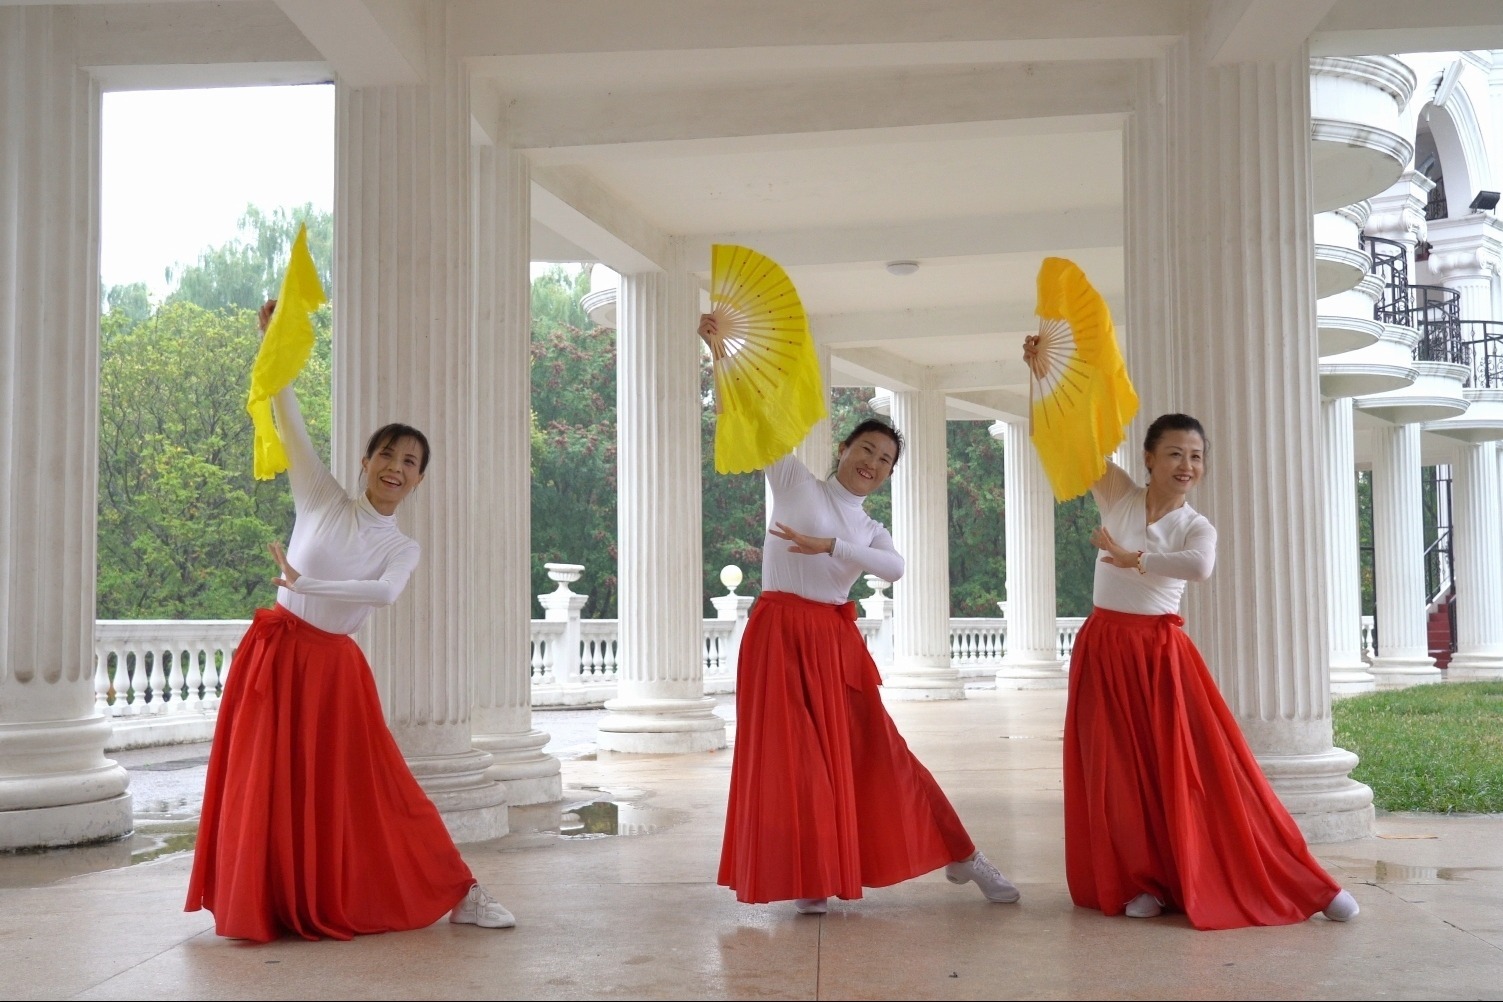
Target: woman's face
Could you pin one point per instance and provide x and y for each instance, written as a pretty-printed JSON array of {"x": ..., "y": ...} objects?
[
  {"x": 1176, "y": 462},
  {"x": 392, "y": 472},
  {"x": 866, "y": 463}
]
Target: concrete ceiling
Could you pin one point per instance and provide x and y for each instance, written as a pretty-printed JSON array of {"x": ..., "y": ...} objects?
[{"x": 973, "y": 136}]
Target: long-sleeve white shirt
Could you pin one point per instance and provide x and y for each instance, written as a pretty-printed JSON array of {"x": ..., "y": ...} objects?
[
  {"x": 822, "y": 508},
  {"x": 351, "y": 558},
  {"x": 1179, "y": 547}
]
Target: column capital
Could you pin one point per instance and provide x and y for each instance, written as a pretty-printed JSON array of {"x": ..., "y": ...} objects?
[
  {"x": 1465, "y": 247},
  {"x": 1399, "y": 212}
]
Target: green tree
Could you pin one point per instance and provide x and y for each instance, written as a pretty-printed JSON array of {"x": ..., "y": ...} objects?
[
  {"x": 131, "y": 302},
  {"x": 574, "y": 456},
  {"x": 182, "y": 522},
  {"x": 247, "y": 271}
]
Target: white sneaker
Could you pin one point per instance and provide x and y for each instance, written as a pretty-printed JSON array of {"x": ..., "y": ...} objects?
[
  {"x": 811, "y": 906},
  {"x": 1144, "y": 906},
  {"x": 987, "y": 877},
  {"x": 1343, "y": 907},
  {"x": 479, "y": 908}
]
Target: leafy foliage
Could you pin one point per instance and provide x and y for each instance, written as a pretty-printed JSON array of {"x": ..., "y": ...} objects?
[
  {"x": 182, "y": 523},
  {"x": 1435, "y": 748},
  {"x": 247, "y": 271}
]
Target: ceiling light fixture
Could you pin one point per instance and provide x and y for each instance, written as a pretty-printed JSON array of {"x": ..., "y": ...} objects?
[{"x": 902, "y": 267}]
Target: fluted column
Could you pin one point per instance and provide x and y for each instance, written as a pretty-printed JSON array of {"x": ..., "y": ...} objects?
[
  {"x": 1476, "y": 493},
  {"x": 501, "y": 503},
  {"x": 56, "y": 786},
  {"x": 660, "y": 704},
  {"x": 921, "y": 532},
  {"x": 817, "y": 450},
  {"x": 1403, "y": 656},
  {"x": 1349, "y": 671},
  {"x": 404, "y": 351},
  {"x": 1031, "y": 657},
  {"x": 1237, "y": 157}
]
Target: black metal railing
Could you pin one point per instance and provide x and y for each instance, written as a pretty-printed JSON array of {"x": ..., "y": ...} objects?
[
  {"x": 1391, "y": 264},
  {"x": 1483, "y": 342}
]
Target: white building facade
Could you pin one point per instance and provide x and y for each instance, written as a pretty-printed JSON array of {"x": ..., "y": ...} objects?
[{"x": 1251, "y": 187}]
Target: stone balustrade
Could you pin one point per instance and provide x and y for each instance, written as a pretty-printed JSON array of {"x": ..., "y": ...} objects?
[{"x": 159, "y": 680}]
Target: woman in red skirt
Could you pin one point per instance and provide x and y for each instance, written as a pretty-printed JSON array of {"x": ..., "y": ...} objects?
[
  {"x": 1165, "y": 805},
  {"x": 312, "y": 823},
  {"x": 826, "y": 797}
]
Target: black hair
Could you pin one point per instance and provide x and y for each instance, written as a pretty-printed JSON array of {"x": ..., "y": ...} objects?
[
  {"x": 387, "y": 434},
  {"x": 882, "y": 428},
  {"x": 1173, "y": 422}
]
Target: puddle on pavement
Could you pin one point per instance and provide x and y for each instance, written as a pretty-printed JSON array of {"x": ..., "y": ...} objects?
[
  {"x": 1384, "y": 872},
  {"x": 611, "y": 813}
]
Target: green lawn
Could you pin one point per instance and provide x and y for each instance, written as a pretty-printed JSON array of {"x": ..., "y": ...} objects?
[{"x": 1436, "y": 748}]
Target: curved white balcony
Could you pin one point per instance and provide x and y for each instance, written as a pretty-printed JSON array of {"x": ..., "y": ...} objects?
[
  {"x": 1387, "y": 365},
  {"x": 1357, "y": 148},
  {"x": 1437, "y": 393},
  {"x": 1344, "y": 321},
  {"x": 1482, "y": 421},
  {"x": 1340, "y": 262}
]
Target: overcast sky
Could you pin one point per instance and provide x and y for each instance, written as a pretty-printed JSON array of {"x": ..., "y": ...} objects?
[{"x": 179, "y": 168}]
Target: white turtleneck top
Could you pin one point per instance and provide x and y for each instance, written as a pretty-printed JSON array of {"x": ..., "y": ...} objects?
[
  {"x": 351, "y": 558},
  {"x": 822, "y": 508},
  {"x": 1177, "y": 548}
]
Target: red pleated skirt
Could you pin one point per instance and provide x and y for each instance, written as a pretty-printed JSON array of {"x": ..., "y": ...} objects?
[
  {"x": 312, "y": 822},
  {"x": 825, "y": 796},
  {"x": 1162, "y": 793}
]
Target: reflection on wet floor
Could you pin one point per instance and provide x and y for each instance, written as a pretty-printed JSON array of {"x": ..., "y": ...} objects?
[
  {"x": 1385, "y": 872},
  {"x": 603, "y": 816}
]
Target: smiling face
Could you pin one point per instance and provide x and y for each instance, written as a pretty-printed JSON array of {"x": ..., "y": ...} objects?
[
  {"x": 866, "y": 463},
  {"x": 1176, "y": 462},
  {"x": 392, "y": 471}
]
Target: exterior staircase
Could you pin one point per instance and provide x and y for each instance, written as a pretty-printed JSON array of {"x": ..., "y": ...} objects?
[{"x": 1438, "y": 627}]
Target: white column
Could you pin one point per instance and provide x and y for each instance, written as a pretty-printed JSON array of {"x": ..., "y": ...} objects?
[
  {"x": 501, "y": 503},
  {"x": 403, "y": 351},
  {"x": 56, "y": 786},
  {"x": 660, "y": 706},
  {"x": 921, "y": 532},
  {"x": 1237, "y": 160},
  {"x": 817, "y": 450},
  {"x": 1403, "y": 645},
  {"x": 1343, "y": 551},
  {"x": 1478, "y": 496},
  {"x": 1031, "y": 658}
]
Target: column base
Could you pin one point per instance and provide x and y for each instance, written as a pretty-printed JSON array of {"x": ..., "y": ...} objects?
[
  {"x": 68, "y": 825},
  {"x": 472, "y": 804},
  {"x": 1400, "y": 672},
  {"x": 1474, "y": 667},
  {"x": 661, "y": 726},
  {"x": 1348, "y": 678},
  {"x": 58, "y": 789},
  {"x": 1046, "y": 673},
  {"x": 520, "y": 766},
  {"x": 1319, "y": 793}
]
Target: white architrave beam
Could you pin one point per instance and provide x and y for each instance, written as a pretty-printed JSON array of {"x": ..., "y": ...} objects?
[
  {"x": 525, "y": 27},
  {"x": 966, "y": 377},
  {"x": 368, "y": 42},
  {"x": 875, "y": 367},
  {"x": 843, "y": 330},
  {"x": 1383, "y": 27},
  {"x": 886, "y": 101},
  {"x": 1241, "y": 31},
  {"x": 990, "y": 405},
  {"x": 570, "y": 203},
  {"x": 929, "y": 239},
  {"x": 164, "y": 46}
]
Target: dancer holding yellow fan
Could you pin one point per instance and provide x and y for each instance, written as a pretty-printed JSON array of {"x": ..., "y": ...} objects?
[
  {"x": 1166, "y": 809},
  {"x": 825, "y": 798},
  {"x": 312, "y": 823}
]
